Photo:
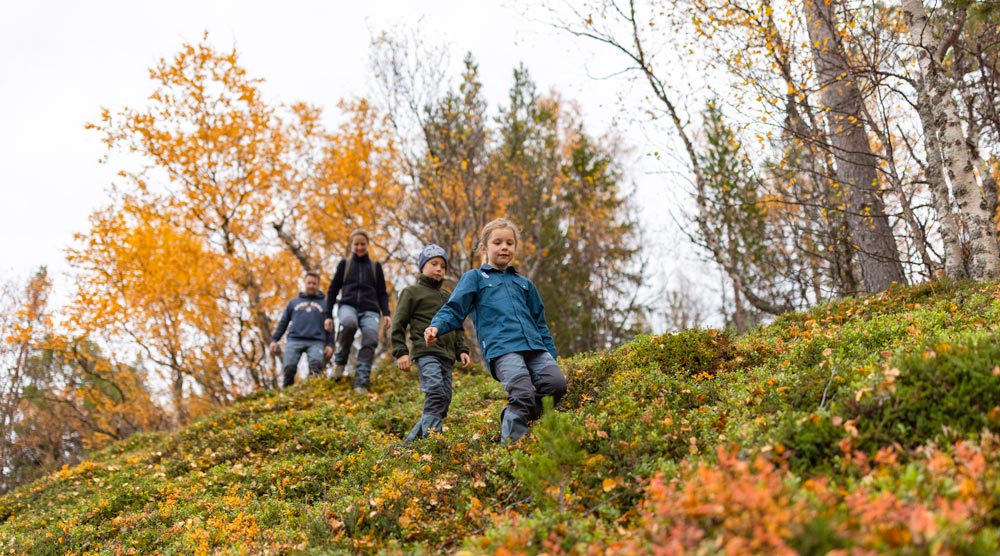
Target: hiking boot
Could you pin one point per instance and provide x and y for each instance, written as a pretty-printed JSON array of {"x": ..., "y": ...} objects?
[
  {"x": 338, "y": 372},
  {"x": 361, "y": 390}
]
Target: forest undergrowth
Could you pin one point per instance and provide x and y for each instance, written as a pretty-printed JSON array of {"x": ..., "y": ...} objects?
[{"x": 863, "y": 426}]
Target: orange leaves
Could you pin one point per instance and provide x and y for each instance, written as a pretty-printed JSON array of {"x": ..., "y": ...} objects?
[
  {"x": 756, "y": 507},
  {"x": 745, "y": 506},
  {"x": 354, "y": 182},
  {"x": 885, "y": 520},
  {"x": 145, "y": 275},
  {"x": 214, "y": 148},
  {"x": 611, "y": 483}
]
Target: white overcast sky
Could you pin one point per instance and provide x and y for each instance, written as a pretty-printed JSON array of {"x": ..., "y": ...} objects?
[{"x": 61, "y": 61}]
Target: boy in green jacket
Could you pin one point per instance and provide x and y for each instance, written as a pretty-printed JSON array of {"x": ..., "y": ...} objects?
[{"x": 416, "y": 307}]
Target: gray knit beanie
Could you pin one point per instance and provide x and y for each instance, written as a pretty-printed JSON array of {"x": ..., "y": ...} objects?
[{"x": 430, "y": 251}]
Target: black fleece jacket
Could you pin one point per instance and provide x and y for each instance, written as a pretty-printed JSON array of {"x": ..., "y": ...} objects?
[{"x": 362, "y": 290}]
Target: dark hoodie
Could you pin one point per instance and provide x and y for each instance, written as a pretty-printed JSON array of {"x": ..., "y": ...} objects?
[{"x": 306, "y": 315}]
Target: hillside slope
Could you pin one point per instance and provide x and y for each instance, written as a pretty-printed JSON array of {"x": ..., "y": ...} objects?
[{"x": 866, "y": 426}]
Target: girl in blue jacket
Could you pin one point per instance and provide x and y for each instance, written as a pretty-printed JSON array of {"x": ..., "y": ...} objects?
[{"x": 510, "y": 324}]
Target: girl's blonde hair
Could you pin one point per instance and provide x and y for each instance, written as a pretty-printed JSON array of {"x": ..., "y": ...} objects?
[{"x": 490, "y": 227}]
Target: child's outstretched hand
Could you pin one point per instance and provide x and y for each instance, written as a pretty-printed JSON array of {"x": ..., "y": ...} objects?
[
  {"x": 430, "y": 335},
  {"x": 403, "y": 363},
  {"x": 466, "y": 360}
]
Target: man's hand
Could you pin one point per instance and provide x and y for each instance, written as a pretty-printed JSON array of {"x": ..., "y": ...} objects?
[
  {"x": 403, "y": 363},
  {"x": 327, "y": 352},
  {"x": 273, "y": 347},
  {"x": 430, "y": 335},
  {"x": 466, "y": 360},
  {"x": 387, "y": 322},
  {"x": 328, "y": 325}
]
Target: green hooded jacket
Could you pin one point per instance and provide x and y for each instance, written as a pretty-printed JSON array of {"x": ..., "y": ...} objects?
[{"x": 416, "y": 307}]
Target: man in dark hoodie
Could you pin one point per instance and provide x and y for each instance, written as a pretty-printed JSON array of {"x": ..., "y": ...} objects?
[
  {"x": 363, "y": 298},
  {"x": 306, "y": 334}
]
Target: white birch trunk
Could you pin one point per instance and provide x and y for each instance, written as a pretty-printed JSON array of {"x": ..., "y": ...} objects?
[
  {"x": 940, "y": 118},
  {"x": 948, "y": 224}
]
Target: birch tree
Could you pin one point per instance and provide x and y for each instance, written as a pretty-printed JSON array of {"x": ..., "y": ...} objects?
[{"x": 952, "y": 164}]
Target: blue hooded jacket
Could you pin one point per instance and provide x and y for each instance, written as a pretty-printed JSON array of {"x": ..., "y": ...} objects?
[{"x": 506, "y": 310}]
